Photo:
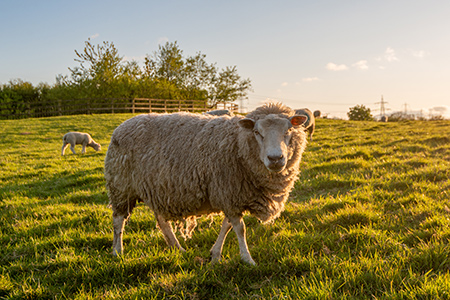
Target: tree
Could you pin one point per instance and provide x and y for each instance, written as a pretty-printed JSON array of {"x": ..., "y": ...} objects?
[
  {"x": 194, "y": 75},
  {"x": 227, "y": 86},
  {"x": 100, "y": 69},
  {"x": 360, "y": 113},
  {"x": 103, "y": 62},
  {"x": 16, "y": 95},
  {"x": 169, "y": 60},
  {"x": 166, "y": 74}
]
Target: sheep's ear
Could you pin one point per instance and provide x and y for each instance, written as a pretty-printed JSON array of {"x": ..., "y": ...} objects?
[
  {"x": 298, "y": 120},
  {"x": 247, "y": 123}
]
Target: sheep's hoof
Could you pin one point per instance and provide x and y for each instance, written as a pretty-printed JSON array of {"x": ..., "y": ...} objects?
[
  {"x": 249, "y": 261},
  {"x": 215, "y": 260},
  {"x": 116, "y": 253},
  {"x": 252, "y": 262},
  {"x": 178, "y": 247}
]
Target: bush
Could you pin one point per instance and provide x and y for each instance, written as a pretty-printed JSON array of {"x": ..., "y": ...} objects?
[{"x": 360, "y": 113}]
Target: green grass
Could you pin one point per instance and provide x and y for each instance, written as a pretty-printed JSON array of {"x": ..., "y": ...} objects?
[{"x": 369, "y": 219}]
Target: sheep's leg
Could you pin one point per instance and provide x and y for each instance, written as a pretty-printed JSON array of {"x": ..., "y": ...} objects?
[
  {"x": 83, "y": 150},
  {"x": 65, "y": 145},
  {"x": 119, "y": 226},
  {"x": 167, "y": 231},
  {"x": 216, "y": 250},
  {"x": 239, "y": 228},
  {"x": 72, "y": 147},
  {"x": 120, "y": 216}
]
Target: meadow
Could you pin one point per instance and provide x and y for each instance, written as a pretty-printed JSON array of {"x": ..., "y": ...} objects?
[{"x": 369, "y": 218}]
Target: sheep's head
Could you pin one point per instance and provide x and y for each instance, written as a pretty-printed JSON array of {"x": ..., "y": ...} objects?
[
  {"x": 273, "y": 134},
  {"x": 96, "y": 146}
]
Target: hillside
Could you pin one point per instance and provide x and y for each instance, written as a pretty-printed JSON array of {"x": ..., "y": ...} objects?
[{"x": 369, "y": 219}]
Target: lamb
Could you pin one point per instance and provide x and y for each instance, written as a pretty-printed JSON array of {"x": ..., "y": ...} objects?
[
  {"x": 79, "y": 138},
  {"x": 186, "y": 165},
  {"x": 310, "y": 123}
]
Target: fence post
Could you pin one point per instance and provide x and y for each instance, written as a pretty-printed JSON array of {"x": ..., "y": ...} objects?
[
  {"x": 132, "y": 105},
  {"x": 29, "y": 110},
  {"x": 59, "y": 107}
]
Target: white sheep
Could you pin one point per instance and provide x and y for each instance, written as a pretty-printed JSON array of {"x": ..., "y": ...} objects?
[
  {"x": 79, "y": 138},
  {"x": 317, "y": 114},
  {"x": 219, "y": 112},
  {"x": 310, "y": 123},
  {"x": 185, "y": 165}
]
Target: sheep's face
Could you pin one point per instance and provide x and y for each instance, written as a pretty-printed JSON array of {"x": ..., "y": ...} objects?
[
  {"x": 97, "y": 147},
  {"x": 273, "y": 134}
]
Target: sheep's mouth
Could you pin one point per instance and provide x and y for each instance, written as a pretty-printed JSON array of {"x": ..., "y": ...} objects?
[{"x": 276, "y": 167}]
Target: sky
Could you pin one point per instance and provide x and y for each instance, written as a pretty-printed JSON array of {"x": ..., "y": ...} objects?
[{"x": 324, "y": 55}]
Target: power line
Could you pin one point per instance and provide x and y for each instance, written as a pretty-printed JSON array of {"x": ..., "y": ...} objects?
[{"x": 302, "y": 101}]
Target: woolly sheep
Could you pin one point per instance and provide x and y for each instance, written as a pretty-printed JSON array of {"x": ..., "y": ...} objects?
[
  {"x": 317, "y": 113},
  {"x": 186, "y": 165},
  {"x": 310, "y": 123},
  {"x": 219, "y": 112},
  {"x": 79, "y": 138}
]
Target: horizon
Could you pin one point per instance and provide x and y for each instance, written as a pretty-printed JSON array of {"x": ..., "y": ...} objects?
[{"x": 323, "y": 55}]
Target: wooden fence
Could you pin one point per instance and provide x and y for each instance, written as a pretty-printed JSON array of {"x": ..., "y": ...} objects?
[
  {"x": 20, "y": 110},
  {"x": 156, "y": 105}
]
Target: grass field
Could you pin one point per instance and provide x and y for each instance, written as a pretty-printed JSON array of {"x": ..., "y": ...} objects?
[{"x": 368, "y": 219}]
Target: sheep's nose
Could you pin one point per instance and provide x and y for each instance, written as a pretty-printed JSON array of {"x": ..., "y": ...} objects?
[{"x": 275, "y": 158}]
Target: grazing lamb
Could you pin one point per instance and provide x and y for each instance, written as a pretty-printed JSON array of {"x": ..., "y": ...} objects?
[
  {"x": 79, "y": 138},
  {"x": 186, "y": 165},
  {"x": 310, "y": 123},
  {"x": 219, "y": 112}
]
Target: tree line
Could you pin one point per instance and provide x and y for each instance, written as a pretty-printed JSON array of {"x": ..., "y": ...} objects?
[
  {"x": 363, "y": 113},
  {"x": 102, "y": 74}
]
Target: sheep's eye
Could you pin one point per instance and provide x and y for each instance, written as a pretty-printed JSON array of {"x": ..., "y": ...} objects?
[
  {"x": 256, "y": 132},
  {"x": 288, "y": 132}
]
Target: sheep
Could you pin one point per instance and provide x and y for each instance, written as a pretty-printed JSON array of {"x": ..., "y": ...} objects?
[
  {"x": 185, "y": 165},
  {"x": 77, "y": 138},
  {"x": 317, "y": 114},
  {"x": 219, "y": 112},
  {"x": 310, "y": 123}
]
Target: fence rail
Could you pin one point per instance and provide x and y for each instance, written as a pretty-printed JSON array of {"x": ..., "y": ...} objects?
[
  {"x": 156, "y": 105},
  {"x": 19, "y": 110}
]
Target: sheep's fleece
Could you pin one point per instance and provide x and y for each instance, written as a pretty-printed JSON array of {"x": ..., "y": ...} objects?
[{"x": 185, "y": 165}]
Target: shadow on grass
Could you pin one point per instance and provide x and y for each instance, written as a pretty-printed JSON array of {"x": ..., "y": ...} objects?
[
  {"x": 63, "y": 185},
  {"x": 165, "y": 276}
]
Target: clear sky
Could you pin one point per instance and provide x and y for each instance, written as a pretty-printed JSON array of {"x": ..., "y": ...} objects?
[{"x": 322, "y": 54}]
